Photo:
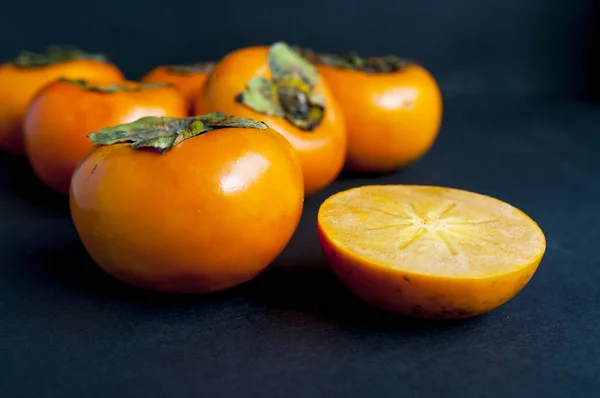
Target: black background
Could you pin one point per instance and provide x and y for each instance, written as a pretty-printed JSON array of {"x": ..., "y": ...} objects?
[
  {"x": 517, "y": 78},
  {"x": 492, "y": 47}
]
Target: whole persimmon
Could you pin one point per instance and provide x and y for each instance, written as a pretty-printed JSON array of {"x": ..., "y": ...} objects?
[
  {"x": 188, "y": 79},
  {"x": 64, "y": 112},
  {"x": 392, "y": 107},
  {"x": 24, "y": 76},
  {"x": 187, "y": 205},
  {"x": 280, "y": 87}
]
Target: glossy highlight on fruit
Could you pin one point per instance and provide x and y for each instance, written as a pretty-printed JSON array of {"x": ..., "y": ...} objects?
[
  {"x": 188, "y": 79},
  {"x": 392, "y": 108},
  {"x": 276, "y": 85},
  {"x": 187, "y": 205},
  {"x": 430, "y": 252},
  {"x": 24, "y": 76},
  {"x": 64, "y": 112}
]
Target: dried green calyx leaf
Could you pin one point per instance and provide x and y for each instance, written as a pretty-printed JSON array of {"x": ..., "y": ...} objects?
[
  {"x": 290, "y": 92},
  {"x": 352, "y": 61},
  {"x": 54, "y": 55},
  {"x": 163, "y": 133},
  {"x": 261, "y": 96},
  {"x": 114, "y": 87},
  {"x": 191, "y": 69},
  {"x": 284, "y": 63}
]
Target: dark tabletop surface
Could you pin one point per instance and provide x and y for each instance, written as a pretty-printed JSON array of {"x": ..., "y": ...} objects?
[{"x": 67, "y": 330}]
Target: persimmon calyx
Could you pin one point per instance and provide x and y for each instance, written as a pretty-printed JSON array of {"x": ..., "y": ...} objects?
[
  {"x": 200, "y": 67},
  {"x": 289, "y": 93},
  {"x": 114, "y": 87},
  {"x": 164, "y": 133},
  {"x": 54, "y": 55},
  {"x": 385, "y": 64}
]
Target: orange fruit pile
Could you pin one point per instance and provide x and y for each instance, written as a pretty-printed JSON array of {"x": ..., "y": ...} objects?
[{"x": 194, "y": 179}]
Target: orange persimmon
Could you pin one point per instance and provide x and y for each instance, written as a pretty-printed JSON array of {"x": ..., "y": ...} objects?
[
  {"x": 188, "y": 79},
  {"x": 64, "y": 112},
  {"x": 278, "y": 86},
  {"x": 429, "y": 252},
  {"x": 23, "y": 77},
  {"x": 392, "y": 107},
  {"x": 187, "y": 205}
]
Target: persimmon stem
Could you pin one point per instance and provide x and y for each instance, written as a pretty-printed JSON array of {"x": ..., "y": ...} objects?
[
  {"x": 54, "y": 55},
  {"x": 200, "y": 67},
  {"x": 114, "y": 87},
  {"x": 163, "y": 133},
  {"x": 352, "y": 61},
  {"x": 289, "y": 93}
]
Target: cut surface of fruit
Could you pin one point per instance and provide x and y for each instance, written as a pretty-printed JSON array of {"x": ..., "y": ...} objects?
[
  {"x": 469, "y": 252},
  {"x": 433, "y": 230}
]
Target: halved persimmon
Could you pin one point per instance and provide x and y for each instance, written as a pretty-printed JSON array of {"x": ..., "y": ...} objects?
[
  {"x": 187, "y": 205},
  {"x": 428, "y": 251},
  {"x": 23, "y": 77},
  {"x": 392, "y": 108},
  {"x": 188, "y": 79},
  {"x": 64, "y": 112},
  {"x": 278, "y": 86}
]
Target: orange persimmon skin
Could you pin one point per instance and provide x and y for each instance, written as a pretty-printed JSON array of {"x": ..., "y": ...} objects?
[
  {"x": 209, "y": 214},
  {"x": 321, "y": 151},
  {"x": 62, "y": 115},
  {"x": 188, "y": 84},
  {"x": 20, "y": 85},
  {"x": 392, "y": 119},
  {"x": 405, "y": 292}
]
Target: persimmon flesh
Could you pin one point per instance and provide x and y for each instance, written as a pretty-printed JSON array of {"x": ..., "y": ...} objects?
[{"x": 430, "y": 252}]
